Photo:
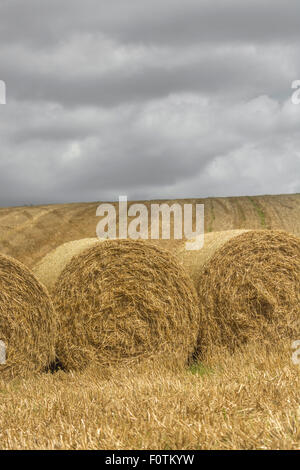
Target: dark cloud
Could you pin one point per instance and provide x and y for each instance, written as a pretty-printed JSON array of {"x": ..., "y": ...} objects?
[
  {"x": 44, "y": 23},
  {"x": 150, "y": 99},
  {"x": 241, "y": 72}
]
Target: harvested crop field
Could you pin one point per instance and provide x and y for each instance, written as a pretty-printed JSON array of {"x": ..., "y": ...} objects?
[
  {"x": 243, "y": 393},
  {"x": 249, "y": 400},
  {"x": 29, "y": 233}
]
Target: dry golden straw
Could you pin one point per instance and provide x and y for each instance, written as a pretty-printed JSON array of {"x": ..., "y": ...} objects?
[
  {"x": 27, "y": 321},
  {"x": 50, "y": 267},
  {"x": 193, "y": 260},
  {"x": 122, "y": 300},
  {"x": 249, "y": 289}
]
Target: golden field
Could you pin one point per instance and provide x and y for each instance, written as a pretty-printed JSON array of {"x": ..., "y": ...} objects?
[
  {"x": 246, "y": 400},
  {"x": 29, "y": 233}
]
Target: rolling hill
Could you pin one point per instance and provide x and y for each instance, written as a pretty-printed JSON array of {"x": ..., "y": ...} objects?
[{"x": 30, "y": 232}]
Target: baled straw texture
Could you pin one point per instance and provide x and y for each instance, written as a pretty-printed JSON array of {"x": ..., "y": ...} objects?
[
  {"x": 27, "y": 321},
  {"x": 194, "y": 260},
  {"x": 122, "y": 300},
  {"x": 250, "y": 290},
  {"x": 50, "y": 267}
]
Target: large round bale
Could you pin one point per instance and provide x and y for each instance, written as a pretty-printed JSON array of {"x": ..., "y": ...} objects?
[
  {"x": 122, "y": 300},
  {"x": 49, "y": 268},
  {"x": 27, "y": 321},
  {"x": 250, "y": 290},
  {"x": 194, "y": 260}
]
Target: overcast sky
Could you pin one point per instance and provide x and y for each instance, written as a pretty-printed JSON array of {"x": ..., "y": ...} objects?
[{"x": 153, "y": 99}]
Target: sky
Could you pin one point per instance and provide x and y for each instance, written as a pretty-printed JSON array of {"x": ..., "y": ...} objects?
[{"x": 149, "y": 99}]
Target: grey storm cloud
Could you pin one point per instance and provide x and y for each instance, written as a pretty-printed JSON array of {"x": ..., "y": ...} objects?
[
  {"x": 149, "y": 99},
  {"x": 159, "y": 22}
]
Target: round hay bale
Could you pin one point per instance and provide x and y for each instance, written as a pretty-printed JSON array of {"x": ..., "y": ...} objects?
[
  {"x": 250, "y": 290},
  {"x": 50, "y": 267},
  {"x": 194, "y": 260},
  {"x": 27, "y": 321},
  {"x": 122, "y": 300}
]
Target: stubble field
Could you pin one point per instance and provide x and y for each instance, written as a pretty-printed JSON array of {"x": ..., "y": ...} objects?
[{"x": 249, "y": 399}]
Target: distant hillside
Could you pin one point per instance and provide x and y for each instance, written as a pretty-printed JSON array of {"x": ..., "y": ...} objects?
[{"x": 28, "y": 233}]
